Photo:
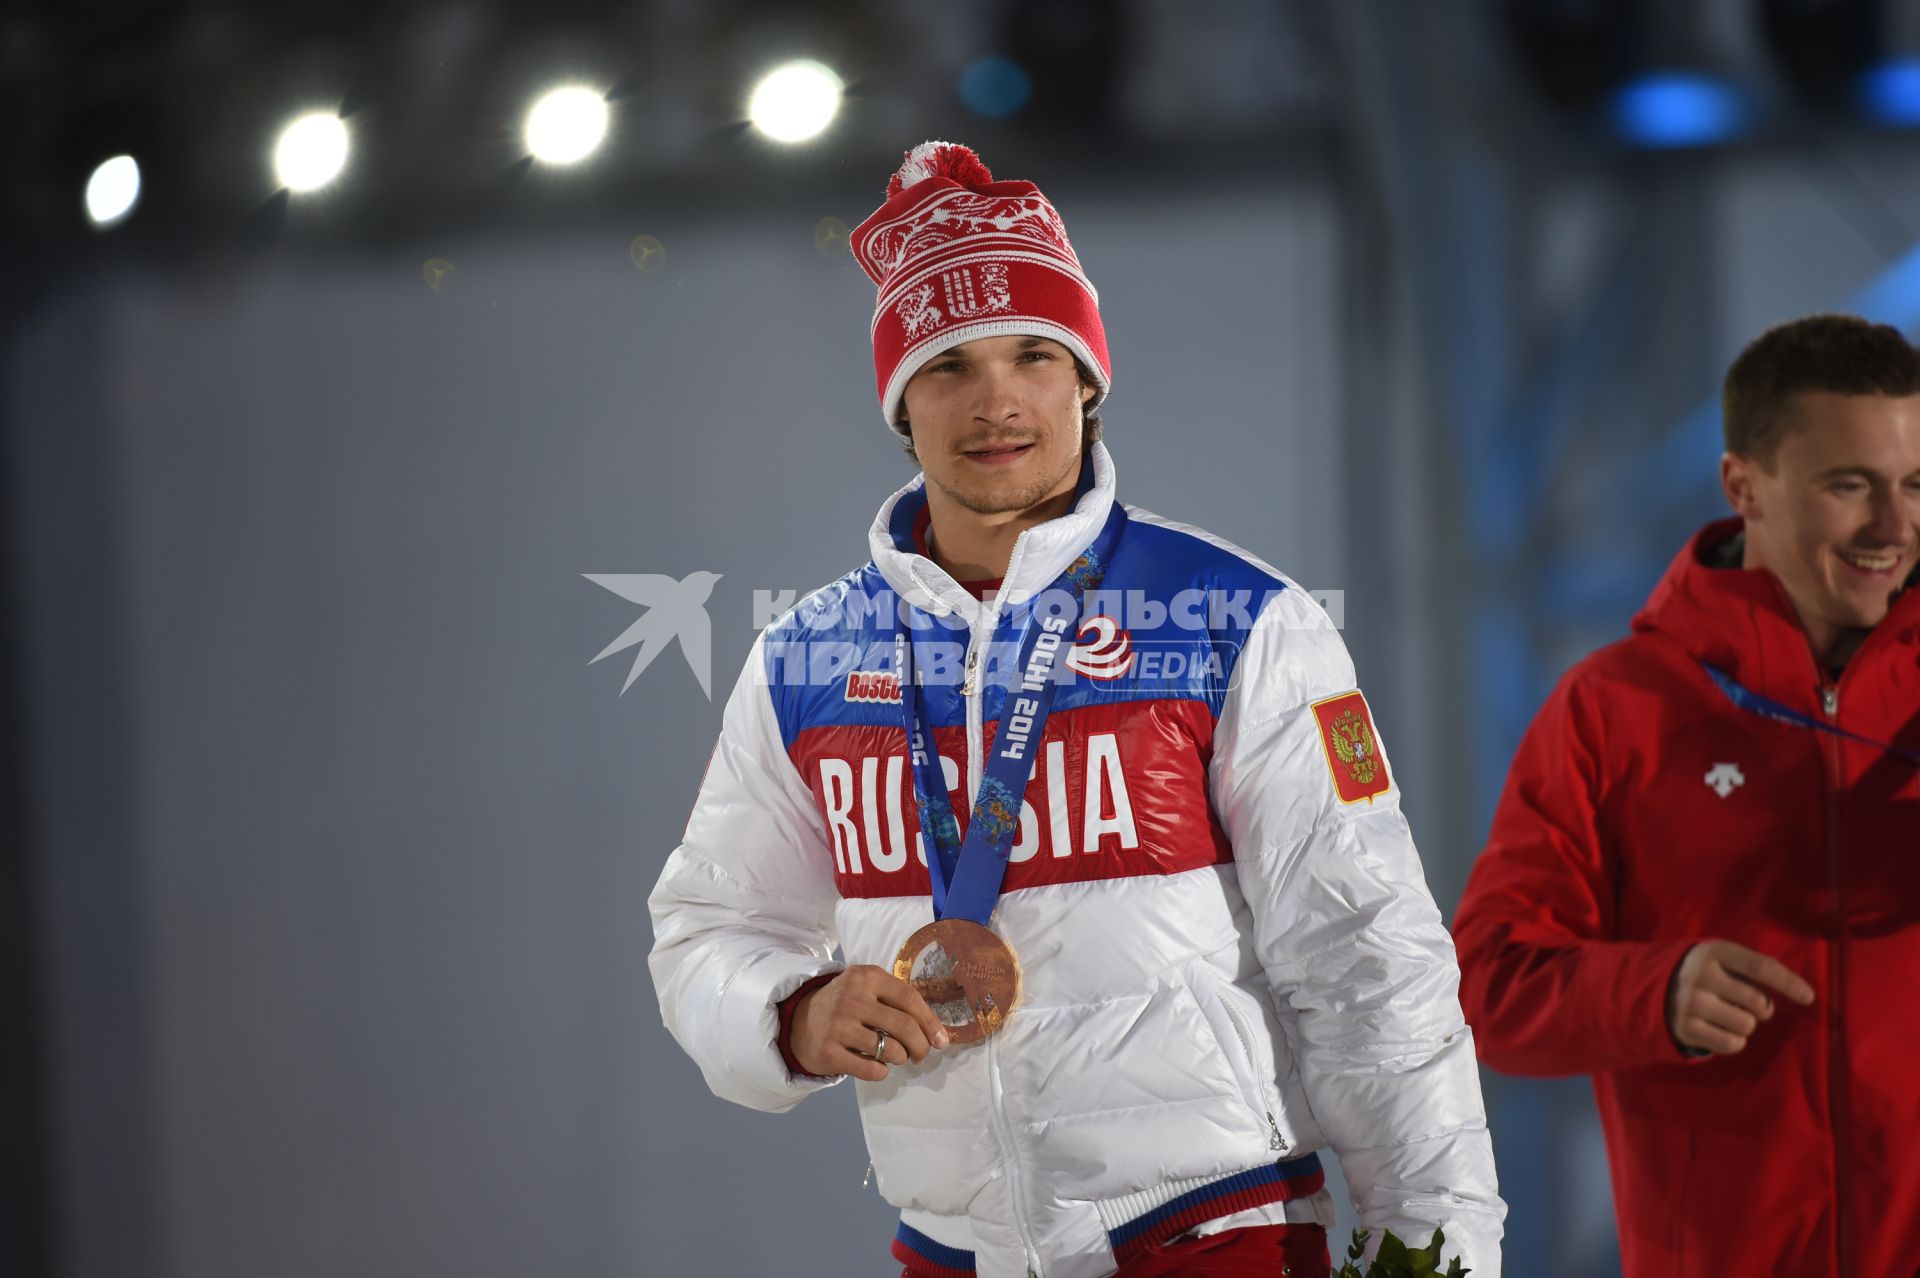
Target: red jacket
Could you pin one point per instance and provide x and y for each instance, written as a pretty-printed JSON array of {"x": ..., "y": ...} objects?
[{"x": 1646, "y": 812}]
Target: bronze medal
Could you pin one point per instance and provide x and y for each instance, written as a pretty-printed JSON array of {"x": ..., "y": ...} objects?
[{"x": 968, "y": 975}]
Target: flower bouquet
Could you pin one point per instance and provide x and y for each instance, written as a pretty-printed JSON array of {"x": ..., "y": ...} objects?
[{"x": 1397, "y": 1260}]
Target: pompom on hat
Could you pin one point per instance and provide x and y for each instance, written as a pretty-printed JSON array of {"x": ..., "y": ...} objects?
[{"x": 958, "y": 256}]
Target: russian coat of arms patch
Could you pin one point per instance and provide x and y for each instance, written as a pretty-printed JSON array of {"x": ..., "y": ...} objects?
[{"x": 1353, "y": 751}]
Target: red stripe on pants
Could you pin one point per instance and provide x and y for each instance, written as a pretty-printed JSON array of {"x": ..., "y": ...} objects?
[{"x": 1271, "y": 1251}]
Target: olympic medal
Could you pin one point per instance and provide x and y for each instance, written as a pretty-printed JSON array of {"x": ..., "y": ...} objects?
[{"x": 968, "y": 976}]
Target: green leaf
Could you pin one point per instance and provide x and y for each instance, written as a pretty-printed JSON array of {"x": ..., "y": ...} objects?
[
  {"x": 1397, "y": 1260},
  {"x": 1426, "y": 1260}
]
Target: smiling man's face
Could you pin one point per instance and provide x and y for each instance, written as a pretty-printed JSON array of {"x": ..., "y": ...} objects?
[
  {"x": 997, "y": 422},
  {"x": 1835, "y": 514}
]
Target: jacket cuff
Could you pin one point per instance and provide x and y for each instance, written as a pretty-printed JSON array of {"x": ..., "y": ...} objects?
[
  {"x": 788, "y": 1006},
  {"x": 748, "y": 1018},
  {"x": 1638, "y": 977}
]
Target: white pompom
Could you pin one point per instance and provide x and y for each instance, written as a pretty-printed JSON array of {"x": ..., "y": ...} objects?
[{"x": 919, "y": 163}]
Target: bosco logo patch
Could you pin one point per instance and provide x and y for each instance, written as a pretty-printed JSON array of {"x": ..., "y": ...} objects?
[
  {"x": 1353, "y": 751},
  {"x": 873, "y": 685}
]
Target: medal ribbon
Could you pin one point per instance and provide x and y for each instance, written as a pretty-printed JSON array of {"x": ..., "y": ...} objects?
[
  {"x": 966, "y": 876},
  {"x": 1767, "y": 707}
]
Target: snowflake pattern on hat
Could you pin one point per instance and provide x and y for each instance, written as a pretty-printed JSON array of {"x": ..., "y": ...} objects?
[{"x": 963, "y": 214}]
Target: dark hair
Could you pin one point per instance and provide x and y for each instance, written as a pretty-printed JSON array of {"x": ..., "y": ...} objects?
[
  {"x": 1090, "y": 419},
  {"x": 1840, "y": 354}
]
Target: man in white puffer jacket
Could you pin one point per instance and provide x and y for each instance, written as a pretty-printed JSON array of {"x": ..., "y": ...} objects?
[{"x": 1227, "y": 955}]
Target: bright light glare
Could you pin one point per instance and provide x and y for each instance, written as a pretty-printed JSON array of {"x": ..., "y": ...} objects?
[
  {"x": 566, "y": 125},
  {"x": 795, "y": 102},
  {"x": 311, "y": 152},
  {"x": 1679, "y": 109},
  {"x": 1891, "y": 92},
  {"x": 113, "y": 190}
]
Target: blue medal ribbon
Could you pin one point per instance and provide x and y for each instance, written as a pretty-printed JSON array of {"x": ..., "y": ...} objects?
[
  {"x": 1752, "y": 702},
  {"x": 966, "y": 876}
]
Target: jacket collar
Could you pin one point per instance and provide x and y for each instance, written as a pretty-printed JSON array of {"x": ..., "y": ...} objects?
[
  {"x": 1040, "y": 554},
  {"x": 1740, "y": 619}
]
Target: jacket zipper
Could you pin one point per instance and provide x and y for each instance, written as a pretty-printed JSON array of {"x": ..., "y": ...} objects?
[
  {"x": 975, "y": 698},
  {"x": 1275, "y": 1141},
  {"x": 1837, "y": 1103},
  {"x": 970, "y": 693},
  {"x": 1004, "y": 1130},
  {"x": 1830, "y": 763}
]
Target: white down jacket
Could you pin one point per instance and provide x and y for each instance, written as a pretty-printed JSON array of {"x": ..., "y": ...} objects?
[{"x": 1231, "y": 958}]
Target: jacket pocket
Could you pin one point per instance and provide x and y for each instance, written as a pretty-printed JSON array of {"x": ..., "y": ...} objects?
[{"x": 1242, "y": 1042}]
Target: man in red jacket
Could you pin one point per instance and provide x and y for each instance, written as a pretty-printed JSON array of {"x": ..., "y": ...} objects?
[{"x": 1703, "y": 880}]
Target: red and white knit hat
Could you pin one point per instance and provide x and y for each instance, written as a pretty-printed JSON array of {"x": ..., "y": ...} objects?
[{"x": 958, "y": 256}]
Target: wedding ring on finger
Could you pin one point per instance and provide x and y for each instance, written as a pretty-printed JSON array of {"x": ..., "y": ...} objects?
[{"x": 880, "y": 1046}]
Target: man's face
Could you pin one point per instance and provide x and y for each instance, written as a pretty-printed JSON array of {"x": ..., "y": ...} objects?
[
  {"x": 997, "y": 422},
  {"x": 1836, "y": 516}
]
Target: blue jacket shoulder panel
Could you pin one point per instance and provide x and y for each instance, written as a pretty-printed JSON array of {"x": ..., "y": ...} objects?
[
  {"x": 1169, "y": 621},
  {"x": 813, "y": 655},
  {"x": 1183, "y": 603}
]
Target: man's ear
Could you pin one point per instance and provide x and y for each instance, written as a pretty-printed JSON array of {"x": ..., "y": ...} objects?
[{"x": 1737, "y": 481}]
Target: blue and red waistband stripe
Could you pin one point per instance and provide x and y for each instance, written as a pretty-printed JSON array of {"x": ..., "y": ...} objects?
[
  {"x": 1279, "y": 1183},
  {"x": 1242, "y": 1191},
  {"x": 923, "y": 1255}
]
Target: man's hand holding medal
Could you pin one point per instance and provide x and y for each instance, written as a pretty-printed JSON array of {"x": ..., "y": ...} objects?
[{"x": 862, "y": 1021}]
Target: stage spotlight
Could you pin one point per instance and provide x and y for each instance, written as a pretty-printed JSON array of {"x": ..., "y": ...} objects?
[
  {"x": 1890, "y": 92},
  {"x": 311, "y": 152},
  {"x": 566, "y": 125},
  {"x": 795, "y": 102},
  {"x": 113, "y": 190},
  {"x": 1678, "y": 109}
]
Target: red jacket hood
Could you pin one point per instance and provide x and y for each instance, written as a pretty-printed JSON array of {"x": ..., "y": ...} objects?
[{"x": 1740, "y": 620}]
